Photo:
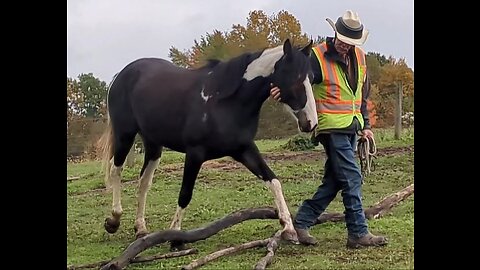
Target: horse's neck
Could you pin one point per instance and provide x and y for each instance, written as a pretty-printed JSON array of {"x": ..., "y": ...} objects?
[
  {"x": 264, "y": 64},
  {"x": 257, "y": 87},
  {"x": 255, "y": 93}
]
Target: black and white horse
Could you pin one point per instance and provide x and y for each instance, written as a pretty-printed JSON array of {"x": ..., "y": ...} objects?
[{"x": 206, "y": 113}]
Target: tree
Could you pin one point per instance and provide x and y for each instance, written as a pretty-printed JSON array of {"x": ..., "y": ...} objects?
[
  {"x": 260, "y": 32},
  {"x": 216, "y": 47},
  {"x": 178, "y": 58},
  {"x": 94, "y": 94},
  {"x": 374, "y": 68},
  {"x": 74, "y": 101},
  {"x": 392, "y": 73},
  {"x": 285, "y": 25},
  {"x": 372, "y": 114},
  {"x": 319, "y": 40}
]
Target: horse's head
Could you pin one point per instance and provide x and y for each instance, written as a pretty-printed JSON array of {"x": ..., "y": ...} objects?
[{"x": 291, "y": 75}]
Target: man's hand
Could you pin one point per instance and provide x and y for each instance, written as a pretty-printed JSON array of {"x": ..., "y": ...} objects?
[
  {"x": 275, "y": 93},
  {"x": 367, "y": 133}
]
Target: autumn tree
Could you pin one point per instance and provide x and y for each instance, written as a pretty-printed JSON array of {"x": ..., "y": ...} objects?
[
  {"x": 374, "y": 67},
  {"x": 285, "y": 25},
  {"x": 392, "y": 73},
  {"x": 262, "y": 31}
]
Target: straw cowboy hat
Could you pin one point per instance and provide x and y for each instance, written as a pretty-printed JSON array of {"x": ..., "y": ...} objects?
[{"x": 349, "y": 29}]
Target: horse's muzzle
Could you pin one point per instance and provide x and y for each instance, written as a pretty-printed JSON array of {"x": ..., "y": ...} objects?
[{"x": 306, "y": 126}]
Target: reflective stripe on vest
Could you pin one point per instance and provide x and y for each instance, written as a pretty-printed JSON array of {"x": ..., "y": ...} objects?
[
  {"x": 338, "y": 107},
  {"x": 336, "y": 102}
]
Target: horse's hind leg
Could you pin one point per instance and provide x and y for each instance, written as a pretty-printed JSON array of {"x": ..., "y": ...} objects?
[
  {"x": 122, "y": 145},
  {"x": 152, "y": 157}
]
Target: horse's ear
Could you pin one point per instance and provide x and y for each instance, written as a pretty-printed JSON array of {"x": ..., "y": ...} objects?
[
  {"x": 287, "y": 49},
  {"x": 307, "y": 50}
]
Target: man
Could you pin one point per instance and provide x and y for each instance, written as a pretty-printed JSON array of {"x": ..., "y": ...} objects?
[{"x": 341, "y": 88}]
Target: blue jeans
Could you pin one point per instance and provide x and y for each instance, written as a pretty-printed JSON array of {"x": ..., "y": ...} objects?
[{"x": 341, "y": 173}]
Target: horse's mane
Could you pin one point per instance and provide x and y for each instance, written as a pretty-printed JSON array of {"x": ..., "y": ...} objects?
[{"x": 212, "y": 63}]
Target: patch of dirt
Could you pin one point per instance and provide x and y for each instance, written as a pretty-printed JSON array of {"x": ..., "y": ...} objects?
[
  {"x": 314, "y": 155},
  {"x": 389, "y": 151},
  {"x": 230, "y": 164},
  {"x": 225, "y": 165}
]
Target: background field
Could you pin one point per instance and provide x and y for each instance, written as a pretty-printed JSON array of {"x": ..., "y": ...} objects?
[{"x": 224, "y": 186}]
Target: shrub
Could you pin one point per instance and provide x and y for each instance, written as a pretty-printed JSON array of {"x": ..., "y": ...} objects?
[{"x": 299, "y": 143}]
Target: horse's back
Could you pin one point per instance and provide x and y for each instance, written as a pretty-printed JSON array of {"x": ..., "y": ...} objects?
[
  {"x": 155, "y": 96},
  {"x": 146, "y": 69}
]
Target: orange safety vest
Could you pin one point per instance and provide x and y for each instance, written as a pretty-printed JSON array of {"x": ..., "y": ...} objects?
[{"x": 336, "y": 102}]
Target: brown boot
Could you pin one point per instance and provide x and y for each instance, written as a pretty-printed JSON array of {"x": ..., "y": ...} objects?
[
  {"x": 305, "y": 238},
  {"x": 366, "y": 241}
]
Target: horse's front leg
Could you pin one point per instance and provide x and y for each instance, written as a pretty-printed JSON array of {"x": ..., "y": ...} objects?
[
  {"x": 194, "y": 159},
  {"x": 252, "y": 159}
]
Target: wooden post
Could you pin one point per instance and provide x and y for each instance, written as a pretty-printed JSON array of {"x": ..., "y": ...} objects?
[{"x": 398, "y": 111}]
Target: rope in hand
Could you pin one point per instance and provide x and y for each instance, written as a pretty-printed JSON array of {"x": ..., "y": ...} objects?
[{"x": 366, "y": 150}]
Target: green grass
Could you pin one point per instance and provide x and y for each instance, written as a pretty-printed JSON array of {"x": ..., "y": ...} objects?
[
  {"x": 219, "y": 192},
  {"x": 385, "y": 137}
]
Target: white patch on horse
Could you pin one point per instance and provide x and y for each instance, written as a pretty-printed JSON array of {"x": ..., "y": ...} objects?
[
  {"x": 143, "y": 186},
  {"x": 115, "y": 180},
  {"x": 204, "y": 118},
  {"x": 263, "y": 65},
  {"x": 283, "y": 212},
  {"x": 202, "y": 94},
  {"x": 210, "y": 72},
  {"x": 310, "y": 108},
  {"x": 177, "y": 219}
]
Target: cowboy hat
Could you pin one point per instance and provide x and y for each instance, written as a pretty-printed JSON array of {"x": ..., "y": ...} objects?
[{"x": 349, "y": 29}]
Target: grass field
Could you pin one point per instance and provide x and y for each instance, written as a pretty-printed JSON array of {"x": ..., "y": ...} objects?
[{"x": 223, "y": 187}]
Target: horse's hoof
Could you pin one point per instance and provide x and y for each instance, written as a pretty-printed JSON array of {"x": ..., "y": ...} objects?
[
  {"x": 290, "y": 236},
  {"x": 177, "y": 246},
  {"x": 111, "y": 225},
  {"x": 140, "y": 234}
]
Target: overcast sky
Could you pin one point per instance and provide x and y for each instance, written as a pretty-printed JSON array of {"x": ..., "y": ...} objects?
[{"x": 105, "y": 35}]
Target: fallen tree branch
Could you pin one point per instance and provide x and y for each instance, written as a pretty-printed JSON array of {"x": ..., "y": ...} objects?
[
  {"x": 165, "y": 256},
  {"x": 226, "y": 251},
  {"x": 271, "y": 248},
  {"x": 138, "y": 259},
  {"x": 377, "y": 210},
  {"x": 69, "y": 179},
  {"x": 382, "y": 207},
  {"x": 189, "y": 236}
]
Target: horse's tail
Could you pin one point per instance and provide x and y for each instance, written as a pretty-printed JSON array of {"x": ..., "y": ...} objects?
[
  {"x": 106, "y": 149},
  {"x": 106, "y": 142}
]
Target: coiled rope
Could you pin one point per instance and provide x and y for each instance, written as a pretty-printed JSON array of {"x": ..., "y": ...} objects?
[{"x": 366, "y": 151}]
